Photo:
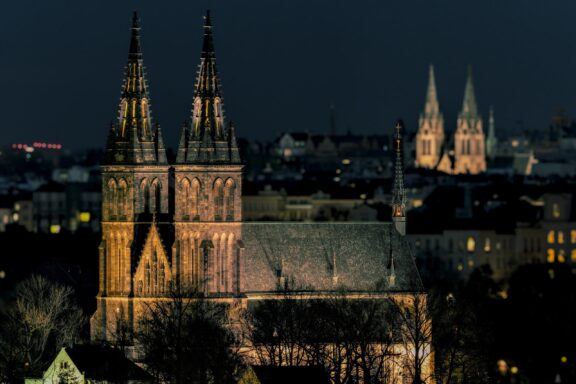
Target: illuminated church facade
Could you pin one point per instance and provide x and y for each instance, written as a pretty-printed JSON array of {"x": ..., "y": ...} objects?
[
  {"x": 181, "y": 223},
  {"x": 462, "y": 153}
]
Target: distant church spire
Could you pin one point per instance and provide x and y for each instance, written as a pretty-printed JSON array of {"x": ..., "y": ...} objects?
[
  {"x": 398, "y": 190},
  {"x": 430, "y": 135},
  {"x": 134, "y": 141},
  {"x": 469, "y": 107},
  {"x": 207, "y": 140},
  {"x": 491, "y": 141},
  {"x": 431, "y": 107},
  {"x": 469, "y": 139}
]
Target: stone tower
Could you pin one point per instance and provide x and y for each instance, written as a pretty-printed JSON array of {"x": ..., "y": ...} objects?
[
  {"x": 208, "y": 181},
  {"x": 430, "y": 135},
  {"x": 491, "y": 140},
  {"x": 135, "y": 177},
  {"x": 469, "y": 141}
]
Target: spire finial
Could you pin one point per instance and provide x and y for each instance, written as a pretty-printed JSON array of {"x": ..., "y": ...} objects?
[
  {"x": 469, "y": 108},
  {"x": 135, "y": 48},
  {"x": 431, "y": 107},
  {"x": 398, "y": 190}
]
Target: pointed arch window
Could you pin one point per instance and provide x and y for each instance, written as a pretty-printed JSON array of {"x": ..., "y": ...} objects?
[
  {"x": 161, "y": 278},
  {"x": 147, "y": 278},
  {"x": 112, "y": 192},
  {"x": 122, "y": 202},
  {"x": 186, "y": 191},
  {"x": 195, "y": 200},
  {"x": 218, "y": 199},
  {"x": 156, "y": 197},
  {"x": 229, "y": 192},
  {"x": 145, "y": 196}
]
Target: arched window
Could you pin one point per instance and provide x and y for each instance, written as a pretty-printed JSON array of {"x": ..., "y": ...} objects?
[
  {"x": 161, "y": 278},
  {"x": 155, "y": 196},
  {"x": 122, "y": 198},
  {"x": 195, "y": 200},
  {"x": 147, "y": 278},
  {"x": 145, "y": 195},
  {"x": 112, "y": 192},
  {"x": 218, "y": 194},
  {"x": 186, "y": 204},
  {"x": 140, "y": 287},
  {"x": 229, "y": 199}
]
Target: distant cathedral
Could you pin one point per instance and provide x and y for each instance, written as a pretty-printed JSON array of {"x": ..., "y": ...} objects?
[
  {"x": 465, "y": 151},
  {"x": 181, "y": 223}
]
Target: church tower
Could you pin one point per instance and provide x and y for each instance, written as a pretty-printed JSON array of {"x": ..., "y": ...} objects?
[
  {"x": 134, "y": 193},
  {"x": 491, "y": 140},
  {"x": 430, "y": 135},
  {"x": 469, "y": 142},
  {"x": 398, "y": 190},
  {"x": 208, "y": 181}
]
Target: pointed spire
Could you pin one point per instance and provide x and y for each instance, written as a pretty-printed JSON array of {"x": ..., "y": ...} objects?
[
  {"x": 135, "y": 140},
  {"x": 398, "y": 190},
  {"x": 206, "y": 139},
  {"x": 135, "y": 49},
  {"x": 159, "y": 144},
  {"x": 234, "y": 152},
  {"x": 431, "y": 107},
  {"x": 469, "y": 107},
  {"x": 183, "y": 145},
  {"x": 491, "y": 140}
]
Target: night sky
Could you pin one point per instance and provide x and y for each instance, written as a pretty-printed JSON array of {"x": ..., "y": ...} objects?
[{"x": 282, "y": 63}]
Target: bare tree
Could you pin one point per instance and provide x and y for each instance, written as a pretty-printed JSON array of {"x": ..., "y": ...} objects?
[
  {"x": 351, "y": 338},
  {"x": 185, "y": 338},
  {"x": 43, "y": 319},
  {"x": 415, "y": 327}
]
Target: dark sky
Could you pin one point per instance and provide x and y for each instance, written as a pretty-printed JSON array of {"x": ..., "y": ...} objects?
[{"x": 282, "y": 63}]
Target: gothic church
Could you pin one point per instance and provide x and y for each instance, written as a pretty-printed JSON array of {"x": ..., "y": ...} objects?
[{"x": 165, "y": 223}]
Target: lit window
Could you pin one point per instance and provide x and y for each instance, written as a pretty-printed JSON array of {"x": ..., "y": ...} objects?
[
  {"x": 551, "y": 256},
  {"x": 573, "y": 236},
  {"x": 573, "y": 256},
  {"x": 84, "y": 217},
  {"x": 560, "y": 237},
  {"x": 551, "y": 237},
  {"x": 487, "y": 245},
  {"x": 54, "y": 229},
  {"x": 555, "y": 210},
  {"x": 470, "y": 263},
  {"x": 561, "y": 256},
  {"x": 460, "y": 267},
  {"x": 470, "y": 244}
]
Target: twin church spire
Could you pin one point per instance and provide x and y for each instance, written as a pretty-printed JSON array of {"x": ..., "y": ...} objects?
[
  {"x": 206, "y": 139},
  {"x": 133, "y": 139},
  {"x": 464, "y": 151}
]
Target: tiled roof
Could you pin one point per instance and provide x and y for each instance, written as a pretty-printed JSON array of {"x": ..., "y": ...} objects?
[{"x": 305, "y": 253}]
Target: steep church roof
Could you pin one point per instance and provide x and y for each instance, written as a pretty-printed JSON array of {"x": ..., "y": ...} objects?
[
  {"x": 206, "y": 140},
  {"x": 132, "y": 140},
  {"x": 325, "y": 257}
]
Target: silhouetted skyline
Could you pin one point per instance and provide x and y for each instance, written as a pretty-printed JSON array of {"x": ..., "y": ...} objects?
[{"x": 283, "y": 64}]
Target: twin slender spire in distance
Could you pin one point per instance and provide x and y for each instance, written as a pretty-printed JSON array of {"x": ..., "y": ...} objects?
[{"x": 204, "y": 140}]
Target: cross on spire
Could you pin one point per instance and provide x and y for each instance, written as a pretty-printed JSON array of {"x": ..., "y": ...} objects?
[{"x": 398, "y": 189}]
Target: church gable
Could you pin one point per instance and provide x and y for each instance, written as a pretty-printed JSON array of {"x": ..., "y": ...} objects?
[{"x": 153, "y": 271}]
